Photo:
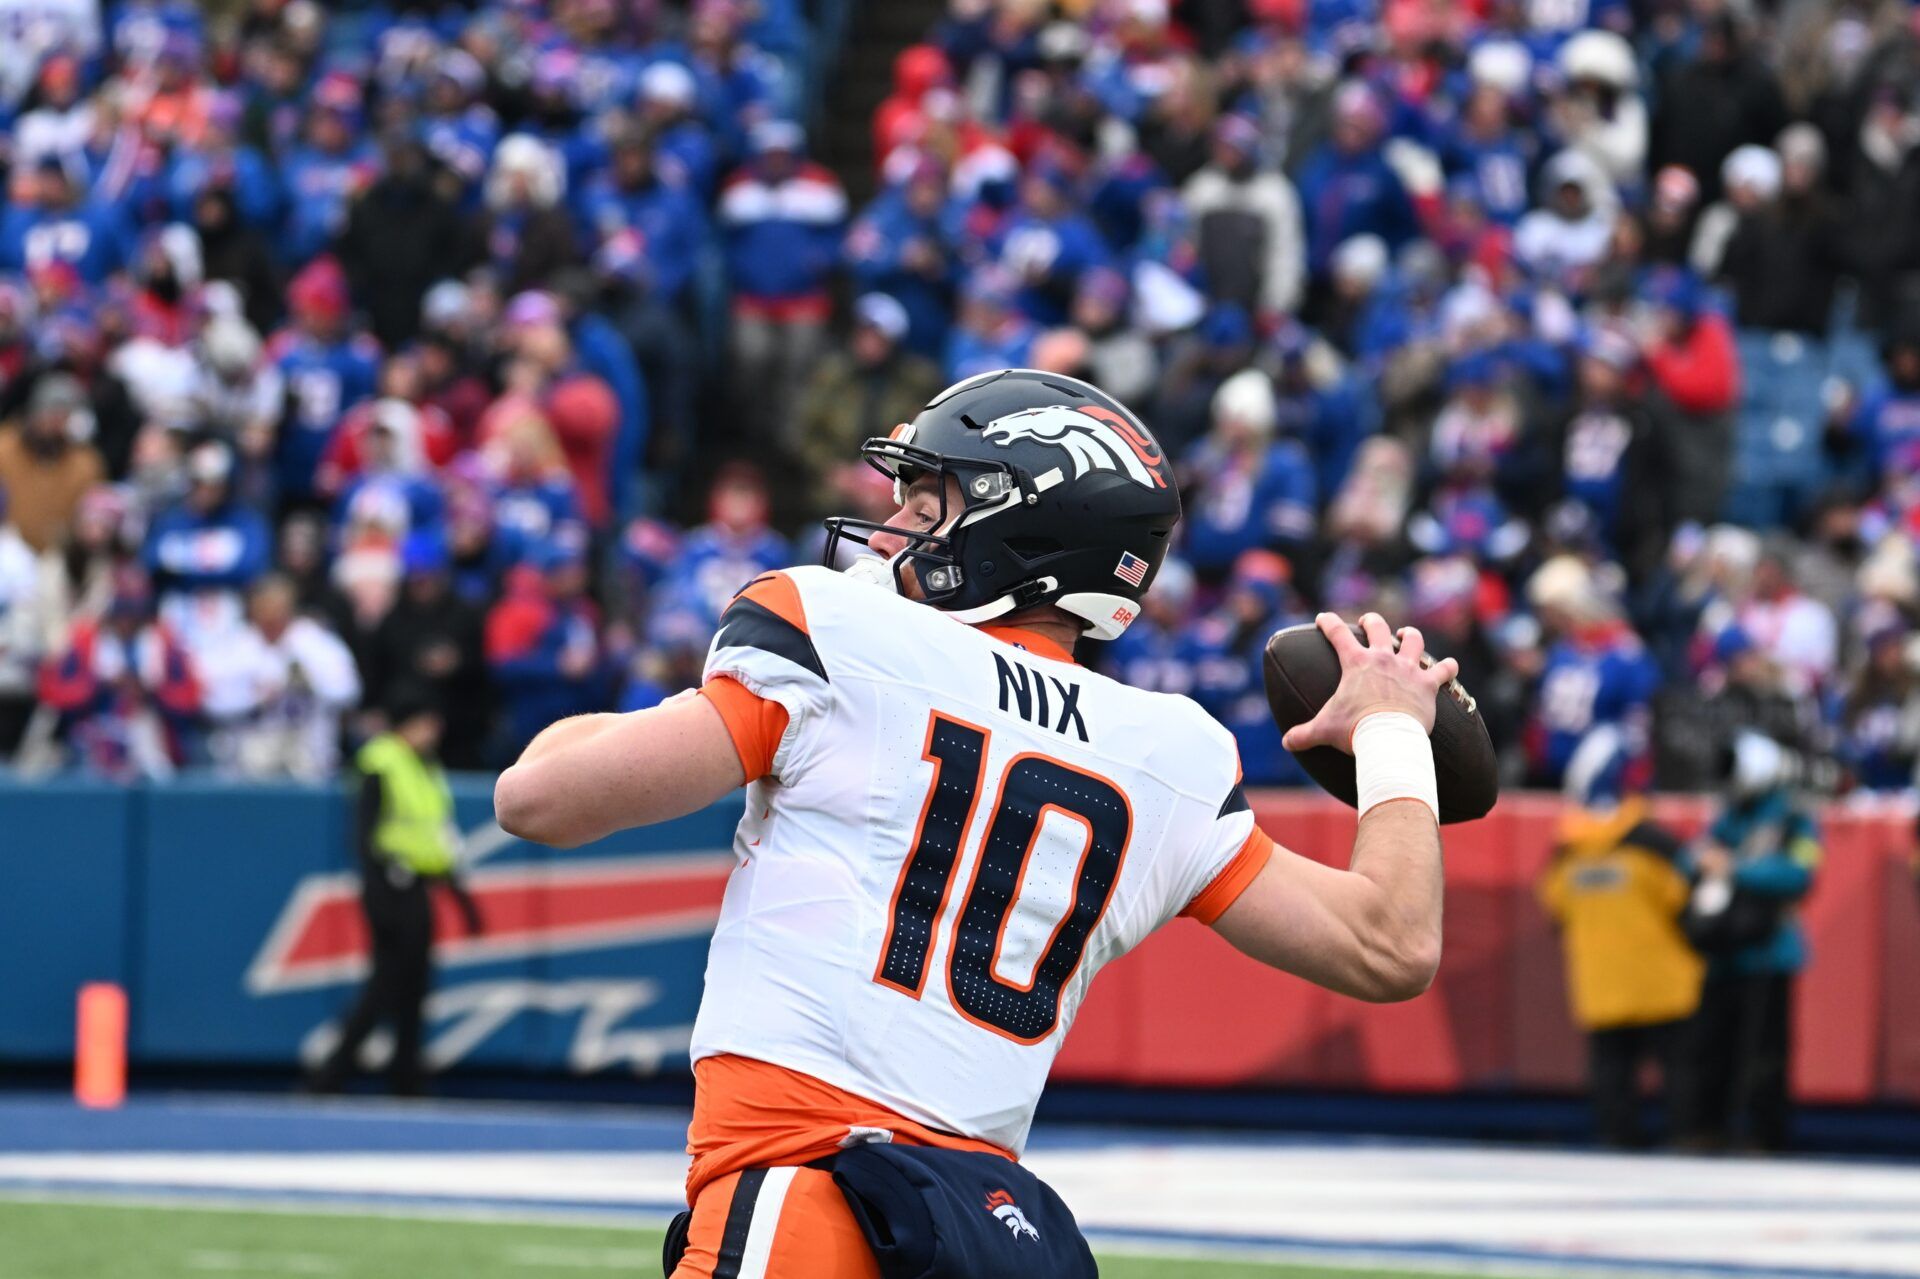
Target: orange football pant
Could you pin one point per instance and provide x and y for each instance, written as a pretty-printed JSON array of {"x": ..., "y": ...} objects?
[{"x": 774, "y": 1223}]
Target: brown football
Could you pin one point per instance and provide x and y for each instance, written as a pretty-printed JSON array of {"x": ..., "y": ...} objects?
[{"x": 1302, "y": 670}]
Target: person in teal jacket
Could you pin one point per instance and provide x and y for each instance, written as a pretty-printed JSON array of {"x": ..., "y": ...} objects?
[{"x": 1754, "y": 868}]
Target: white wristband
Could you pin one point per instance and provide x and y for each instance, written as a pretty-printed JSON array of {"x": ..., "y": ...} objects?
[{"x": 1393, "y": 759}]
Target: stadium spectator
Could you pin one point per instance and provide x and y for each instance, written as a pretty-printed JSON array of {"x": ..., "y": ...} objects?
[
  {"x": 1879, "y": 438},
  {"x": 649, "y": 233},
  {"x": 22, "y": 631},
  {"x": 1224, "y": 651},
  {"x": 1248, "y": 489},
  {"x": 293, "y": 681},
  {"x": 897, "y": 247},
  {"x": 327, "y": 367},
  {"x": 236, "y": 253},
  {"x": 401, "y": 235},
  {"x": 1610, "y": 454},
  {"x": 1757, "y": 861},
  {"x": 1489, "y": 154},
  {"x": 57, "y": 226},
  {"x": 527, "y": 233},
  {"x": 1719, "y": 97},
  {"x": 902, "y": 118},
  {"x": 780, "y": 217},
  {"x": 688, "y": 153},
  {"x": 1750, "y": 179},
  {"x": 123, "y": 692},
  {"x": 867, "y": 390},
  {"x": 1598, "y": 110},
  {"x": 1247, "y": 221},
  {"x": 588, "y": 349},
  {"x": 1047, "y": 243},
  {"x": 1882, "y": 198},
  {"x": 1596, "y": 672},
  {"x": 1782, "y": 262},
  {"x": 413, "y": 420},
  {"x": 1119, "y": 357},
  {"x": 1690, "y": 354},
  {"x": 1196, "y": 368},
  {"x": 990, "y": 333},
  {"x": 1877, "y": 719},
  {"x": 542, "y": 643},
  {"x": 1347, "y": 188},
  {"x": 77, "y": 579},
  {"x": 1617, "y": 892},
  {"x": 435, "y": 639},
  {"x": 46, "y": 463},
  {"x": 206, "y": 549},
  {"x": 331, "y": 164},
  {"x": 392, "y": 463},
  {"x": 735, "y": 545},
  {"x": 1565, "y": 239}
]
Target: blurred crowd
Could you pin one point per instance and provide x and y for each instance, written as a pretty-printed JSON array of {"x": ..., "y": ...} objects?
[{"x": 491, "y": 346}]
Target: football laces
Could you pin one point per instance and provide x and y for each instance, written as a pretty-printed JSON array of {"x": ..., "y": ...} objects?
[{"x": 1453, "y": 686}]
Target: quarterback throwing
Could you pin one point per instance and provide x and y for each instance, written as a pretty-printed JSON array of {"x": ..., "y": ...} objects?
[{"x": 951, "y": 827}]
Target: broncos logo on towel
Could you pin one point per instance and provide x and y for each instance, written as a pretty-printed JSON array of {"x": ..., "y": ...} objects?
[
  {"x": 1097, "y": 439},
  {"x": 1001, "y": 1205}
]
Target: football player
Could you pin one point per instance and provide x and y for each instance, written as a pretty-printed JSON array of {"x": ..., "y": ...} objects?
[{"x": 951, "y": 826}]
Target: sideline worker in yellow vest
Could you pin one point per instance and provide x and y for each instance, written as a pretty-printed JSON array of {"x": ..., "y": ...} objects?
[
  {"x": 405, "y": 841},
  {"x": 1634, "y": 980}
]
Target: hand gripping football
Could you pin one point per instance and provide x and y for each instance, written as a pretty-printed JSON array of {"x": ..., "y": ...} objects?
[{"x": 1302, "y": 671}]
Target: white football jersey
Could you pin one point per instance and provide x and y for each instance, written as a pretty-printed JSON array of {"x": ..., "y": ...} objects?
[{"x": 957, "y": 833}]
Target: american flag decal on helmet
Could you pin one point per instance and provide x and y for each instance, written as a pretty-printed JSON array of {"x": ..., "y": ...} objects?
[{"x": 1132, "y": 569}]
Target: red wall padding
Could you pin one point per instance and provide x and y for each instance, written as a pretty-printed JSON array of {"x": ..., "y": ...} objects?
[{"x": 1186, "y": 1010}]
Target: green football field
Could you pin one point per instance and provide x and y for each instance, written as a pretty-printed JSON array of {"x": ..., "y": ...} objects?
[{"x": 105, "y": 1241}]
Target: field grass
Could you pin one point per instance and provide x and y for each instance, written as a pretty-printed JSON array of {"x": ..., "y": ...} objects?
[{"x": 109, "y": 1241}]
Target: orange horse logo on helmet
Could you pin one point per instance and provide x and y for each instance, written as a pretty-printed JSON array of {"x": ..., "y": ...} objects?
[{"x": 1096, "y": 438}]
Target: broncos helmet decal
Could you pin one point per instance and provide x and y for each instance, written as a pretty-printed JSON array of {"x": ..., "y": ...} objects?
[
  {"x": 1094, "y": 437},
  {"x": 1045, "y": 483}
]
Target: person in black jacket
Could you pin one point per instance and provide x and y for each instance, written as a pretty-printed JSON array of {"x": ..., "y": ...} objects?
[
  {"x": 1784, "y": 259},
  {"x": 432, "y": 637},
  {"x": 1883, "y": 212},
  {"x": 1721, "y": 98},
  {"x": 404, "y": 234},
  {"x": 231, "y": 250}
]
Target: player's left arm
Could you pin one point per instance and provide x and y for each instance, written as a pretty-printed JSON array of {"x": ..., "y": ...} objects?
[
  {"x": 1372, "y": 930},
  {"x": 585, "y": 778}
]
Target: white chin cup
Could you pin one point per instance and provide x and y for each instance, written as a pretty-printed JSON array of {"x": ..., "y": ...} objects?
[{"x": 874, "y": 571}]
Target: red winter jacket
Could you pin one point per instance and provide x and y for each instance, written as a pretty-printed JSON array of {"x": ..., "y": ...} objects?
[{"x": 1700, "y": 373}]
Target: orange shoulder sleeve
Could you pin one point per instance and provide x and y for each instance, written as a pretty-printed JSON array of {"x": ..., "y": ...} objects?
[
  {"x": 755, "y": 723},
  {"x": 1232, "y": 879}
]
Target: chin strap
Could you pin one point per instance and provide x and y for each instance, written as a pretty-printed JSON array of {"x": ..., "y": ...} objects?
[{"x": 1026, "y": 595}]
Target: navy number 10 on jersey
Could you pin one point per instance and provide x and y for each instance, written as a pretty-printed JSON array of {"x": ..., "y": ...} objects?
[{"x": 1032, "y": 786}]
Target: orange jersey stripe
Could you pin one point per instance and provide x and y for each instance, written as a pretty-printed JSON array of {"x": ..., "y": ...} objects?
[
  {"x": 776, "y": 593},
  {"x": 754, "y": 1114},
  {"x": 1232, "y": 879}
]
